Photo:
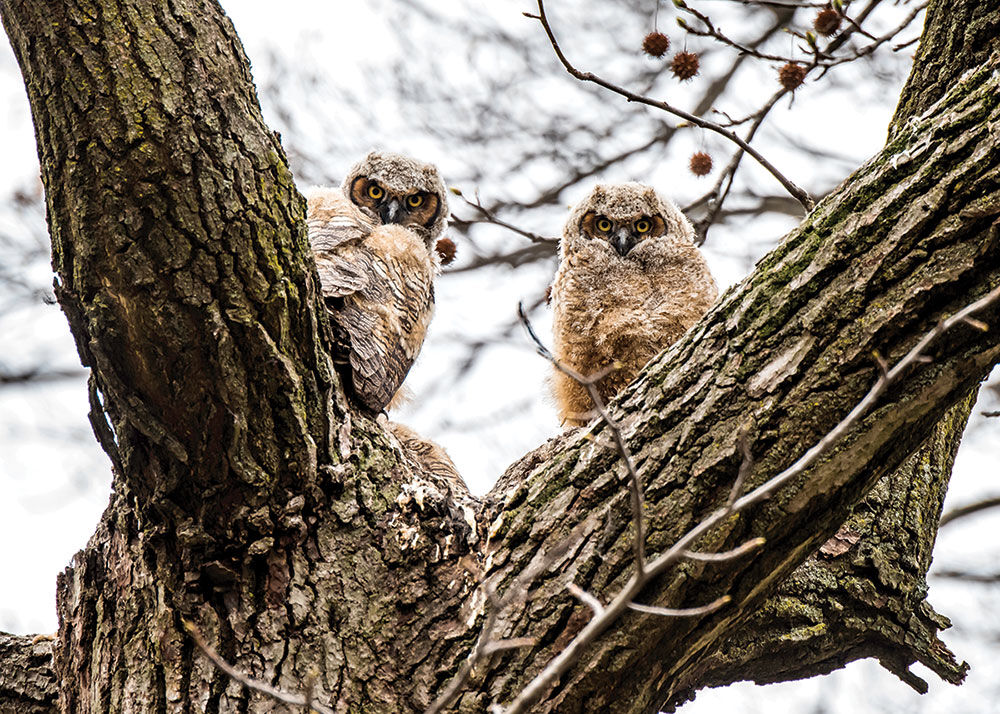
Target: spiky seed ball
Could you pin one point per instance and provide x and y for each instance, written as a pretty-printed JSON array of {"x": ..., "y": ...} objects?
[
  {"x": 791, "y": 75},
  {"x": 684, "y": 65},
  {"x": 701, "y": 164},
  {"x": 656, "y": 44},
  {"x": 445, "y": 248},
  {"x": 827, "y": 21}
]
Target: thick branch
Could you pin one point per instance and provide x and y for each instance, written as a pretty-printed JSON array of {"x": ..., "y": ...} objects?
[
  {"x": 797, "y": 334},
  {"x": 957, "y": 36},
  {"x": 863, "y": 593}
]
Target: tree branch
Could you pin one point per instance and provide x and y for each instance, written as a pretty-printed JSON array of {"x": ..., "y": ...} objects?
[
  {"x": 800, "y": 194},
  {"x": 688, "y": 458}
]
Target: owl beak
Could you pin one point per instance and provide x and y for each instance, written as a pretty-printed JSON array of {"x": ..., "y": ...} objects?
[
  {"x": 390, "y": 211},
  {"x": 622, "y": 241}
]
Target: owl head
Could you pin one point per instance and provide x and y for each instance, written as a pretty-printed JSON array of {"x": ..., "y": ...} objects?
[
  {"x": 625, "y": 217},
  {"x": 397, "y": 189}
]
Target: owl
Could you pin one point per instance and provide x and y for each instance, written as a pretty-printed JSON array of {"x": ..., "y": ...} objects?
[
  {"x": 430, "y": 456},
  {"x": 374, "y": 244},
  {"x": 630, "y": 282}
]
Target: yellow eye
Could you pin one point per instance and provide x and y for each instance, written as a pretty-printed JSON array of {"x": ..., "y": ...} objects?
[
  {"x": 643, "y": 226},
  {"x": 414, "y": 201},
  {"x": 375, "y": 191},
  {"x": 603, "y": 225}
]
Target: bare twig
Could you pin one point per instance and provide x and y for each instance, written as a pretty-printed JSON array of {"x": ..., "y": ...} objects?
[
  {"x": 965, "y": 576},
  {"x": 716, "y": 34},
  {"x": 823, "y": 58},
  {"x": 800, "y": 194},
  {"x": 738, "y": 552},
  {"x": 255, "y": 684},
  {"x": 746, "y": 466},
  {"x": 489, "y": 217},
  {"x": 39, "y": 375},
  {"x": 590, "y": 383},
  {"x": 878, "y": 41},
  {"x": 681, "y": 612},
  {"x": 559, "y": 664},
  {"x": 967, "y": 510},
  {"x": 586, "y": 598},
  {"x": 716, "y": 197}
]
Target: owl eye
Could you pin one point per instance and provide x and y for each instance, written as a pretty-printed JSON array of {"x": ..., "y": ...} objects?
[
  {"x": 643, "y": 226},
  {"x": 603, "y": 225},
  {"x": 375, "y": 191},
  {"x": 414, "y": 201}
]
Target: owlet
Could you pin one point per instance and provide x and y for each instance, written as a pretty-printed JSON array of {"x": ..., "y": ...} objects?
[
  {"x": 630, "y": 282},
  {"x": 373, "y": 240}
]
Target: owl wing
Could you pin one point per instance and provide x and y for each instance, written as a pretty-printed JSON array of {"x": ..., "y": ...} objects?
[
  {"x": 387, "y": 321},
  {"x": 378, "y": 285},
  {"x": 337, "y": 229}
]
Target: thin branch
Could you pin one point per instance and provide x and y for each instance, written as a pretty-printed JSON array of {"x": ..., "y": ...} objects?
[
  {"x": 800, "y": 194},
  {"x": 738, "y": 552},
  {"x": 40, "y": 375},
  {"x": 590, "y": 383},
  {"x": 251, "y": 683},
  {"x": 586, "y": 598},
  {"x": 878, "y": 41},
  {"x": 963, "y": 511},
  {"x": 716, "y": 198},
  {"x": 490, "y": 217},
  {"x": 746, "y": 466},
  {"x": 513, "y": 259},
  {"x": 714, "y": 33},
  {"x": 985, "y": 578},
  {"x": 681, "y": 612}
]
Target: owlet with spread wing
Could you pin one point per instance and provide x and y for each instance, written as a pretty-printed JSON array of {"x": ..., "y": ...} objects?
[
  {"x": 374, "y": 244},
  {"x": 630, "y": 282}
]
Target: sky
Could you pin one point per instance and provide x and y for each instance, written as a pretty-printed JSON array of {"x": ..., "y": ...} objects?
[{"x": 54, "y": 480}]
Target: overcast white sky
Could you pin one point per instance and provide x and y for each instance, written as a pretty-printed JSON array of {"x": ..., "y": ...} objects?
[{"x": 54, "y": 480}]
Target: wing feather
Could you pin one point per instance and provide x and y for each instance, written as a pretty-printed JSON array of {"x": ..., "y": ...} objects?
[{"x": 378, "y": 281}]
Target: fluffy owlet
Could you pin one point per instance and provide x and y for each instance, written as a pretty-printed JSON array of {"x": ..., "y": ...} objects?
[
  {"x": 373, "y": 240},
  {"x": 630, "y": 283}
]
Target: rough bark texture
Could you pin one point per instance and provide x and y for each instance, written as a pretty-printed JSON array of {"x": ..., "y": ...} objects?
[
  {"x": 863, "y": 594},
  {"x": 253, "y": 500},
  {"x": 958, "y": 37},
  {"x": 27, "y": 683},
  {"x": 777, "y": 356},
  {"x": 243, "y": 500}
]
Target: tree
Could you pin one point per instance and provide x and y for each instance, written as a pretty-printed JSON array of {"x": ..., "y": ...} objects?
[{"x": 252, "y": 500}]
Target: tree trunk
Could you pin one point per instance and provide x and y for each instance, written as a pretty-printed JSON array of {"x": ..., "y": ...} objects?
[{"x": 252, "y": 499}]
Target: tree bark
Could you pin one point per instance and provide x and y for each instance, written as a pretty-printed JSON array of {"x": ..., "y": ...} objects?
[
  {"x": 251, "y": 498},
  {"x": 863, "y": 593},
  {"x": 27, "y": 682}
]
